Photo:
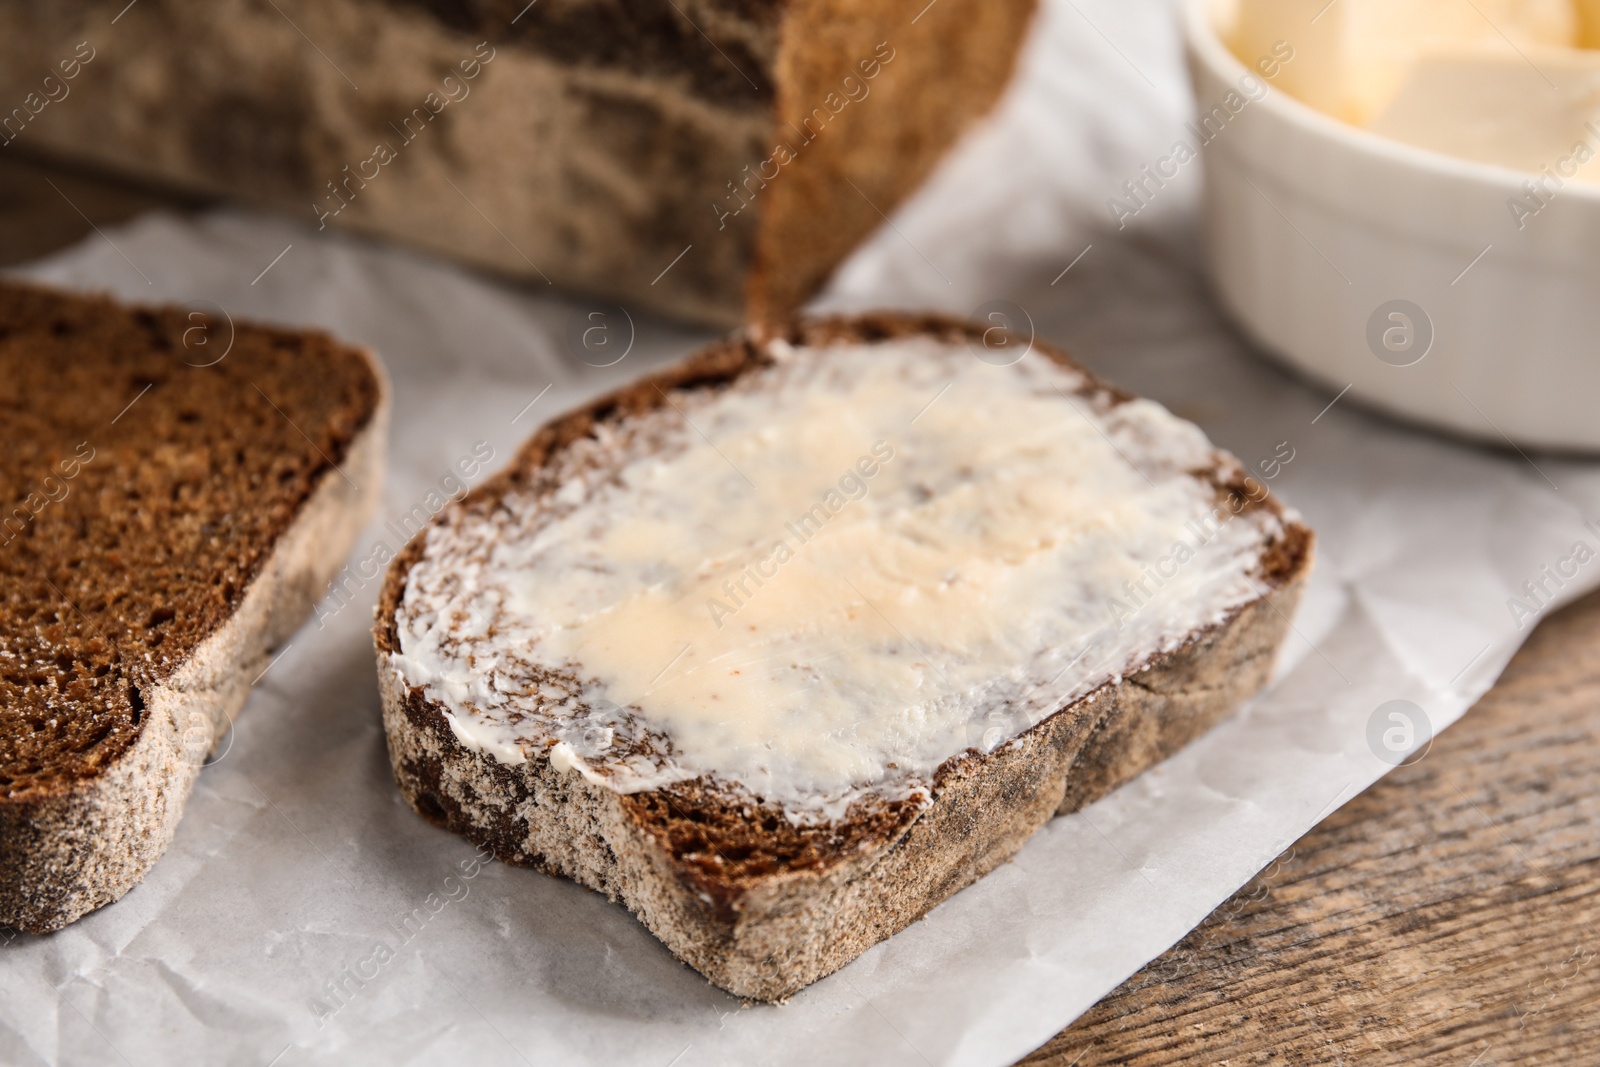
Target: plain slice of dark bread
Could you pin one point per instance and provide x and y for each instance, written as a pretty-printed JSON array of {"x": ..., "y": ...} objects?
[
  {"x": 178, "y": 490},
  {"x": 760, "y": 903}
]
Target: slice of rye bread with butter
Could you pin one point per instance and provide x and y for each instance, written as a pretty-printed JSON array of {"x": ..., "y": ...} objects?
[
  {"x": 969, "y": 541},
  {"x": 747, "y": 145},
  {"x": 178, "y": 491}
]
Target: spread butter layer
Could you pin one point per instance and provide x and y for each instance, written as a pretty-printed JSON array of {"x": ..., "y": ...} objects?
[{"x": 828, "y": 577}]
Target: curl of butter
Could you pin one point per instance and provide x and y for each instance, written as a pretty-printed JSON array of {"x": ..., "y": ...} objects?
[{"x": 564, "y": 758}]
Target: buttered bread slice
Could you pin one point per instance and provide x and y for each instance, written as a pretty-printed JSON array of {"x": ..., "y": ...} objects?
[{"x": 787, "y": 644}]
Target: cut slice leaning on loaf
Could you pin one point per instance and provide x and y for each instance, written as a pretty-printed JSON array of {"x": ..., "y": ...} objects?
[
  {"x": 178, "y": 490},
  {"x": 785, "y": 645}
]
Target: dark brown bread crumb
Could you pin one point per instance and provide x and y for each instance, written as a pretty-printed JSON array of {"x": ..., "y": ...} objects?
[{"x": 131, "y": 533}]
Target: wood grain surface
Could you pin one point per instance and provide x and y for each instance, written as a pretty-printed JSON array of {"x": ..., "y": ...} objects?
[{"x": 1450, "y": 915}]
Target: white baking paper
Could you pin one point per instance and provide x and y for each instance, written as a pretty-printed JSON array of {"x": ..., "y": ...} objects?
[{"x": 272, "y": 932}]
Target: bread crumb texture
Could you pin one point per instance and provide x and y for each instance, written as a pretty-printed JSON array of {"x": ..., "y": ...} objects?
[{"x": 143, "y": 490}]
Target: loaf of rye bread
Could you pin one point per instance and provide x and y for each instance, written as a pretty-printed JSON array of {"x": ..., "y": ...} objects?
[
  {"x": 177, "y": 491},
  {"x": 702, "y": 158},
  {"x": 759, "y": 902}
]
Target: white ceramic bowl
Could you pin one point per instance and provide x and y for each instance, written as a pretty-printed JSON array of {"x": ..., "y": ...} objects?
[{"x": 1316, "y": 228}]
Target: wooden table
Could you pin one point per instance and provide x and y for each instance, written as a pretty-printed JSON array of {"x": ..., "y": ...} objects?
[{"x": 1450, "y": 915}]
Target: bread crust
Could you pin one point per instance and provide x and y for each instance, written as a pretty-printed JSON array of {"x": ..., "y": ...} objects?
[
  {"x": 603, "y": 138},
  {"x": 766, "y": 930},
  {"x": 65, "y": 852}
]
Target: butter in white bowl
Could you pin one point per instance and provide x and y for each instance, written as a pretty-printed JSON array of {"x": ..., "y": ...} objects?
[
  {"x": 1351, "y": 56},
  {"x": 1506, "y": 82},
  {"x": 1438, "y": 171},
  {"x": 1536, "y": 112}
]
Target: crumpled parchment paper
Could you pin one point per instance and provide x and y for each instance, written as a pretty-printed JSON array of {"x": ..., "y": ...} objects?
[{"x": 305, "y": 915}]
